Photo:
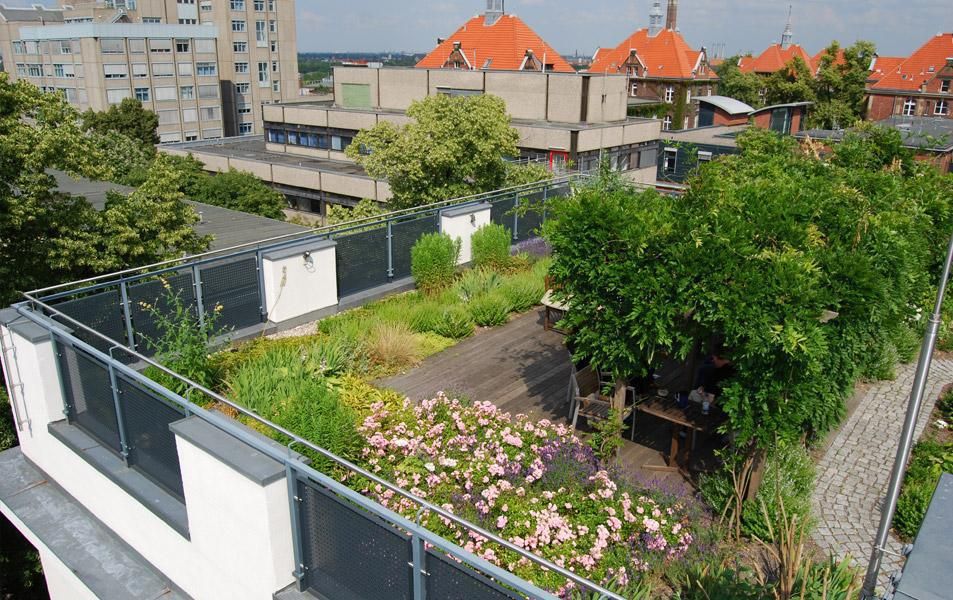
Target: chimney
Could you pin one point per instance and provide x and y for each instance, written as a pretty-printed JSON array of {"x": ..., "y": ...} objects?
[
  {"x": 494, "y": 11},
  {"x": 671, "y": 18}
]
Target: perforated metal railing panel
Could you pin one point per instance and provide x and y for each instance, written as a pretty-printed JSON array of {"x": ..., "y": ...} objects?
[
  {"x": 100, "y": 311},
  {"x": 233, "y": 286},
  {"x": 349, "y": 553},
  {"x": 531, "y": 216},
  {"x": 405, "y": 235},
  {"x": 89, "y": 400},
  {"x": 152, "y": 449},
  {"x": 451, "y": 580},
  {"x": 501, "y": 211},
  {"x": 149, "y": 296},
  {"x": 361, "y": 261}
]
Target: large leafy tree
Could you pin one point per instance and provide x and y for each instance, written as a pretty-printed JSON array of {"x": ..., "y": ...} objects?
[
  {"x": 128, "y": 118},
  {"x": 793, "y": 83},
  {"x": 840, "y": 85},
  {"x": 734, "y": 83},
  {"x": 454, "y": 146}
]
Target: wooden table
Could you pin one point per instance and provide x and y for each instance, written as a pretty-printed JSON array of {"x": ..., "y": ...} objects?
[{"x": 683, "y": 420}]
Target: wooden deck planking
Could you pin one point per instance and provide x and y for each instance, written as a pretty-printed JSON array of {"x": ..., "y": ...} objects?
[{"x": 523, "y": 369}]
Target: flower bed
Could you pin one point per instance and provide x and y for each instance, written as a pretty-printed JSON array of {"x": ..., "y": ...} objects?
[{"x": 535, "y": 484}]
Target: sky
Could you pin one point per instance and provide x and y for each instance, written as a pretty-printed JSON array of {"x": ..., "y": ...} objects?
[{"x": 898, "y": 27}]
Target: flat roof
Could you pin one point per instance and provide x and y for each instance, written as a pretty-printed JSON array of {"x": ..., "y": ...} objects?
[
  {"x": 17, "y": 14},
  {"x": 714, "y": 136},
  {"x": 928, "y": 574},
  {"x": 920, "y": 133},
  {"x": 729, "y": 105},
  {"x": 227, "y": 227}
]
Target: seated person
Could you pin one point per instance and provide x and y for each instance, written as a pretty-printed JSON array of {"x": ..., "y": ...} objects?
[{"x": 711, "y": 374}]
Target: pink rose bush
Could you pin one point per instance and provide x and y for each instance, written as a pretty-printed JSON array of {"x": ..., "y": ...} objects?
[{"x": 534, "y": 484}]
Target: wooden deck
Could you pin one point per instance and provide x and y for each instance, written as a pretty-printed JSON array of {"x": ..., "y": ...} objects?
[{"x": 523, "y": 369}]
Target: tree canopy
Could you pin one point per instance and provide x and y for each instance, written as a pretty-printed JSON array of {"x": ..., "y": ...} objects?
[
  {"x": 455, "y": 146},
  {"x": 128, "y": 118},
  {"x": 734, "y": 83},
  {"x": 237, "y": 190},
  {"x": 810, "y": 269}
]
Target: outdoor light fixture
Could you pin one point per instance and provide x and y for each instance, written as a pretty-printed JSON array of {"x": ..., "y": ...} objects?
[
  {"x": 308, "y": 260},
  {"x": 473, "y": 219}
]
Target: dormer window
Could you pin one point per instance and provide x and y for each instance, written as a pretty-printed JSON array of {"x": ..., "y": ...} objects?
[{"x": 945, "y": 86}]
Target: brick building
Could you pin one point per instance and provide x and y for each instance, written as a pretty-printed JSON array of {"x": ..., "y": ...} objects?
[
  {"x": 662, "y": 68},
  {"x": 919, "y": 86}
]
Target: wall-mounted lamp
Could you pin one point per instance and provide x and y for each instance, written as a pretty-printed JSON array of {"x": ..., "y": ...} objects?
[
  {"x": 473, "y": 219},
  {"x": 308, "y": 260}
]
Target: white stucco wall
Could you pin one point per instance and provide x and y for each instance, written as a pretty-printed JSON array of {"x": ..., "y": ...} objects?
[
  {"x": 294, "y": 288},
  {"x": 462, "y": 226}
]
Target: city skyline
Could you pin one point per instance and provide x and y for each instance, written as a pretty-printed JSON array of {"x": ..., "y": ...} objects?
[{"x": 739, "y": 25}]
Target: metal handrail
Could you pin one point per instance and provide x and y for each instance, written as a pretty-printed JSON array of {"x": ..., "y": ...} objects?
[
  {"x": 287, "y": 238},
  {"x": 232, "y": 429}
]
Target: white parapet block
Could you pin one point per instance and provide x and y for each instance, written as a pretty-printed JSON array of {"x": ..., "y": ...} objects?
[
  {"x": 460, "y": 223},
  {"x": 300, "y": 279}
]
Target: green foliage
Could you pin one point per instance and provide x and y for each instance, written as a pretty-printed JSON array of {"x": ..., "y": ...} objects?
[
  {"x": 606, "y": 438},
  {"x": 8, "y": 434},
  {"x": 829, "y": 579},
  {"x": 945, "y": 406},
  {"x": 929, "y": 460},
  {"x": 241, "y": 191},
  {"x": 489, "y": 310},
  {"x": 365, "y": 209},
  {"x": 523, "y": 291},
  {"x": 128, "y": 118},
  {"x": 721, "y": 580},
  {"x": 433, "y": 261},
  {"x": 793, "y": 83},
  {"x": 454, "y": 322},
  {"x": 477, "y": 282},
  {"x": 760, "y": 248},
  {"x": 788, "y": 481},
  {"x": 455, "y": 147},
  {"x": 129, "y": 157},
  {"x": 491, "y": 246},
  {"x": 738, "y": 85},
  {"x": 523, "y": 174},
  {"x": 840, "y": 86}
]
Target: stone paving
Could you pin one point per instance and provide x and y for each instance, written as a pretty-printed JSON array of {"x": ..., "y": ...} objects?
[{"x": 853, "y": 474}]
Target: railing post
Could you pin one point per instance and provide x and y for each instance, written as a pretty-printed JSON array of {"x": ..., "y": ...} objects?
[
  {"x": 261, "y": 285},
  {"x": 516, "y": 216},
  {"x": 127, "y": 314},
  {"x": 390, "y": 249},
  {"x": 120, "y": 422},
  {"x": 294, "y": 502},
  {"x": 545, "y": 199},
  {"x": 419, "y": 556},
  {"x": 199, "y": 302}
]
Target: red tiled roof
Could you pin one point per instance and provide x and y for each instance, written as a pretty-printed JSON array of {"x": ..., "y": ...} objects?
[
  {"x": 505, "y": 42},
  {"x": 885, "y": 65},
  {"x": 911, "y": 73},
  {"x": 774, "y": 58},
  {"x": 667, "y": 55},
  {"x": 815, "y": 63}
]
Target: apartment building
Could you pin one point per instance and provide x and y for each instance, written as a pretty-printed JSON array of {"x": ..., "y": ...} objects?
[
  {"x": 251, "y": 46},
  {"x": 564, "y": 120},
  {"x": 918, "y": 86}
]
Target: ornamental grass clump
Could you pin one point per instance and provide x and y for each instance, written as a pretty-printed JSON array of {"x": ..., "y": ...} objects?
[
  {"x": 534, "y": 484},
  {"x": 523, "y": 291},
  {"x": 433, "y": 261},
  {"x": 491, "y": 247},
  {"x": 490, "y": 310}
]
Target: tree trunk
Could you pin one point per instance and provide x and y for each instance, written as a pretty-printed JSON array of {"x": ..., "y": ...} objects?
[
  {"x": 618, "y": 397},
  {"x": 757, "y": 473}
]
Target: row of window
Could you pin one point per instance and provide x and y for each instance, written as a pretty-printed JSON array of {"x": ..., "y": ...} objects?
[
  {"x": 189, "y": 115},
  {"x": 670, "y": 159},
  {"x": 155, "y": 46},
  {"x": 184, "y": 92},
  {"x": 620, "y": 158},
  {"x": 72, "y": 95},
  {"x": 241, "y": 46},
  {"x": 337, "y": 140},
  {"x": 940, "y": 107},
  {"x": 190, "y": 136},
  {"x": 54, "y": 47},
  {"x": 258, "y": 5},
  {"x": 121, "y": 70}
]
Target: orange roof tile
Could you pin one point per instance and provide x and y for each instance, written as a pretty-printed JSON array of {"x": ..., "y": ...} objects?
[
  {"x": 921, "y": 67},
  {"x": 503, "y": 44},
  {"x": 666, "y": 55},
  {"x": 774, "y": 58},
  {"x": 884, "y": 65}
]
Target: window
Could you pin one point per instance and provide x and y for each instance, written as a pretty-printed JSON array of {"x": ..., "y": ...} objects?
[
  {"x": 34, "y": 70},
  {"x": 19, "y": 48},
  {"x": 666, "y": 123},
  {"x": 704, "y": 156},
  {"x": 245, "y": 128},
  {"x": 142, "y": 94},
  {"x": 151, "y": 19},
  {"x": 263, "y": 80},
  {"x": 185, "y": 69},
  {"x": 274, "y": 45},
  {"x": 634, "y": 90},
  {"x": 206, "y": 7},
  {"x": 182, "y": 46},
  {"x": 160, "y": 46},
  {"x": 208, "y": 91},
  {"x": 274, "y": 66},
  {"x": 191, "y": 136},
  {"x": 65, "y": 47},
  {"x": 211, "y": 134},
  {"x": 119, "y": 71},
  {"x": 941, "y": 108},
  {"x": 206, "y": 68},
  {"x": 21, "y": 70},
  {"x": 188, "y": 21},
  {"x": 69, "y": 94},
  {"x": 276, "y": 86},
  {"x": 237, "y": 4},
  {"x": 116, "y": 96},
  {"x": 163, "y": 69},
  {"x": 273, "y": 26},
  {"x": 187, "y": 92},
  {"x": 190, "y": 115},
  {"x": 340, "y": 142},
  {"x": 259, "y": 5},
  {"x": 137, "y": 46},
  {"x": 238, "y": 25},
  {"x": 210, "y": 113},
  {"x": 240, "y": 47},
  {"x": 261, "y": 36},
  {"x": 244, "y": 108},
  {"x": 909, "y": 107},
  {"x": 945, "y": 86},
  {"x": 241, "y": 67},
  {"x": 670, "y": 94},
  {"x": 205, "y": 45},
  {"x": 110, "y": 46},
  {"x": 243, "y": 88},
  {"x": 165, "y": 93},
  {"x": 169, "y": 138},
  {"x": 64, "y": 70},
  {"x": 140, "y": 70},
  {"x": 669, "y": 160},
  {"x": 168, "y": 117}
]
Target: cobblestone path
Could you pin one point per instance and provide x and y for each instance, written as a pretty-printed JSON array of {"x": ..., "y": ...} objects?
[{"x": 853, "y": 474}]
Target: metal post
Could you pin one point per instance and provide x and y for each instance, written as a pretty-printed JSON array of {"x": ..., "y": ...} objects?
[
  {"x": 127, "y": 314},
  {"x": 114, "y": 385},
  {"x": 259, "y": 265},
  {"x": 906, "y": 437},
  {"x": 545, "y": 199},
  {"x": 293, "y": 502},
  {"x": 419, "y": 554},
  {"x": 516, "y": 215},
  {"x": 199, "y": 302},
  {"x": 390, "y": 249}
]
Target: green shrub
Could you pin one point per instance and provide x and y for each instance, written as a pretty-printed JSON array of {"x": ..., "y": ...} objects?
[
  {"x": 335, "y": 355},
  {"x": 454, "y": 322},
  {"x": 928, "y": 461},
  {"x": 433, "y": 261},
  {"x": 720, "y": 580},
  {"x": 883, "y": 363},
  {"x": 945, "y": 406},
  {"x": 477, "y": 282},
  {"x": 831, "y": 579},
  {"x": 490, "y": 310},
  {"x": 424, "y": 317},
  {"x": 788, "y": 478},
  {"x": 491, "y": 246},
  {"x": 523, "y": 291}
]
